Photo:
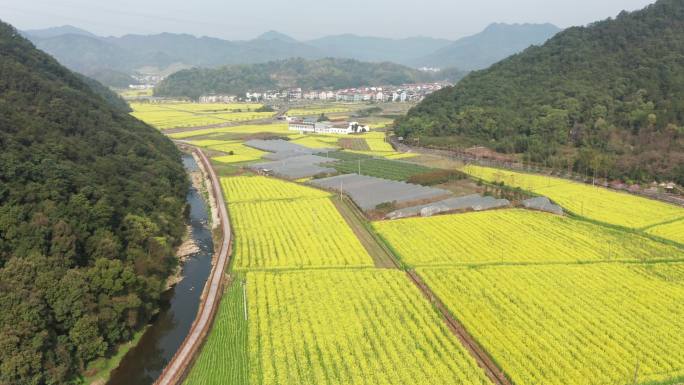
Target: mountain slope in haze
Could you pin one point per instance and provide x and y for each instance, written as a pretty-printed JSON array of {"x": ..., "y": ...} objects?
[
  {"x": 57, "y": 31},
  {"x": 376, "y": 49},
  {"x": 91, "y": 204},
  {"x": 308, "y": 74},
  {"x": 275, "y": 35},
  {"x": 496, "y": 42},
  {"x": 606, "y": 98}
]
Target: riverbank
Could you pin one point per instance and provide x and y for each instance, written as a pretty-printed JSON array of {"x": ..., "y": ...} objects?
[{"x": 144, "y": 361}]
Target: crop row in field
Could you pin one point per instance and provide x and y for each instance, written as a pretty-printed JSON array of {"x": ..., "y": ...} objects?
[
  {"x": 259, "y": 188},
  {"x": 224, "y": 358},
  {"x": 595, "y": 203},
  {"x": 515, "y": 236},
  {"x": 277, "y": 128},
  {"x": 357, "y": 144},
  {"x": 572, "y": 324},
  {"x": 349, "y": 327},
  {"x": 673, "y": 231},
  {"x": 380, "y": 168}
]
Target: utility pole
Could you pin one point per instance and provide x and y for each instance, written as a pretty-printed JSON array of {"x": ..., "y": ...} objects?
[{"x": 244, "y": 297}]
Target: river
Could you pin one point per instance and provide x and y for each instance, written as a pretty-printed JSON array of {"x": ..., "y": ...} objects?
[{"x": 145, "y": 362}]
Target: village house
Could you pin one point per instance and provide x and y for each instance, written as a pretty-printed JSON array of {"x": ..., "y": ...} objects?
[{"x": 312, "y": 127}]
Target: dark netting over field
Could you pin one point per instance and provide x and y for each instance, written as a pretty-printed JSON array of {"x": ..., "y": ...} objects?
[
  {"x": 542, "y": 204},
  {"x": 369, "y": 192},
  {"x": 279, "y": 145},
  {"x": 296, "y": 167},
  {"x": 470, "y": 202}
]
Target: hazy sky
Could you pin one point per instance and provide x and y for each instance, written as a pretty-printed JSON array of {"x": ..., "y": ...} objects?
[{"x": 245, "y": 19}]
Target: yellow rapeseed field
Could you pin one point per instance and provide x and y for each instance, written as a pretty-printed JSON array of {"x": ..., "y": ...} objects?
[
  {"x": 298, "y": 233},
  {"x": 673, "y": 231},
  {"x": 260, "y": 188},
  {"x": 281, "y": 225},
  {"x": 178, "y": 115},
  {"x": 352, "y": 327},
  {"x": 514, "y": 236},
  {"x": 595, "y": 203},
  {"x": 572, "y": 324}
]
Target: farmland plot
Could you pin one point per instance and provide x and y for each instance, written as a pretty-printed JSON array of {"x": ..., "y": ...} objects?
[
  {"x": 224, "y": 358},
  {"x": 293, "y": 234},
  {"x": 595, "y": 203},
  {"x": 381, "y": 168},
  {"x": 572, "y": 324},
  {"x": 673, "y": 231},
  {"x": 259, "y": 188},
  {"x": 175, "y": 115},
  {"x": 278, "y": 128},
  {"x": 515, "y": 236},
  {"x": 349, "y": 327}
]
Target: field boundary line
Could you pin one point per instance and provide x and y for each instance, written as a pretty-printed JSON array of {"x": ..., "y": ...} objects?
[
  {"x": 177, "y": 368},
  {"x": 483, "y": 359}
]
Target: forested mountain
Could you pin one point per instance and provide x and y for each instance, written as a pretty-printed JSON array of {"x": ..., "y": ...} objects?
[
  {"x": 496, "y": 42},
  {"x": 57, "y": 31},
  {"x": 606, "y": 98},
  {"x": 308, "y": 74},
  {"x": 91, "y": 203}
]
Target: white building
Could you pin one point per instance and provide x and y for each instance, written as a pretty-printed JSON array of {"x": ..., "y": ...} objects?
[
  {"x": 217, "y": 99},
  {"x": 327, "y": 127}
]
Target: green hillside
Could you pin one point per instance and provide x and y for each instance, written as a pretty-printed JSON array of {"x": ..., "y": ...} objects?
[
  {"x": 91, "y": 203},
  {"x": 607, "y": 98},
  {"x": 307, "y": 74}
]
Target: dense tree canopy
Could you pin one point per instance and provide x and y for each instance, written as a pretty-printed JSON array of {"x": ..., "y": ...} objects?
[
  {"x": 607, "y": 98},
  {"x": 307, "y": 74},
  {"x": 91, "y": 204}
]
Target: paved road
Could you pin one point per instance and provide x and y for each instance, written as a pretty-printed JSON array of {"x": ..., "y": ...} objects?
[{"x": 176, "y": 368}]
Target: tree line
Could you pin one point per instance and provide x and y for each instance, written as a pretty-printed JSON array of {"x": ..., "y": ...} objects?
[{"x": 92, "y": 203}]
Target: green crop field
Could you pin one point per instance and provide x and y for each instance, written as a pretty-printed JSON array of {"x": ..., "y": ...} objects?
[
  {"x": 225, "y": 357},
  {"x": 381, "y": 168}
]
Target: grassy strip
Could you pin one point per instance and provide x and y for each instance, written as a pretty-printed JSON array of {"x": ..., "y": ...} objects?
[
  {"x": 102, "y": 368},
  {"x": 224, "y": 358},
  {"x": 380, "y": 255}
]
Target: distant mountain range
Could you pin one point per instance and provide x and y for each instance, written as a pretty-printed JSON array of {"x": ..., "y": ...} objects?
[
  {"x": 113, "y": 59},
  {"x": 495, "y": 43}
]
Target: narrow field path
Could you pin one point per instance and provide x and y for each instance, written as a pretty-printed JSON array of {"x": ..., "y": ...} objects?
[
  {"x": 385, "y": 258},
  {"x": 483, "y": 359},
  {"x": 179, "y": 365},
  {"x": 381, "y": 255}
]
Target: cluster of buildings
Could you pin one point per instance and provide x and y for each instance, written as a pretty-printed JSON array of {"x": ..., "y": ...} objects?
[
  {"x": 311, "y": 126},
  {"x": 387, "y": 94}
]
